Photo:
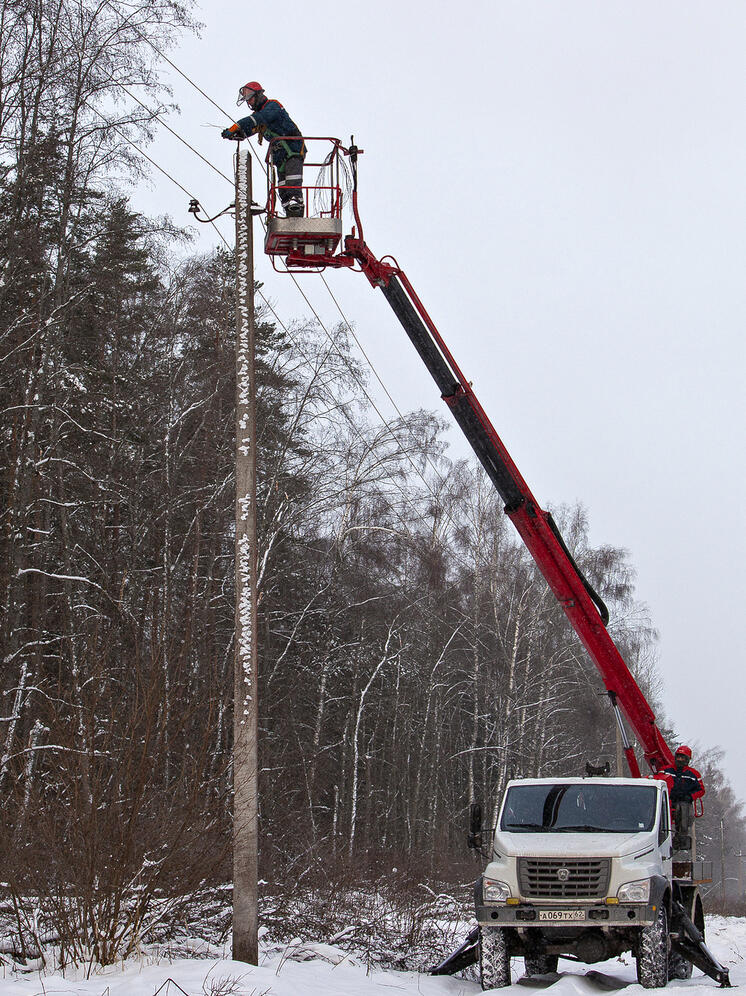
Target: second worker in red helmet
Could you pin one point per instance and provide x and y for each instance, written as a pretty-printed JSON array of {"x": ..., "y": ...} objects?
[{"x": 684, "y": 782}]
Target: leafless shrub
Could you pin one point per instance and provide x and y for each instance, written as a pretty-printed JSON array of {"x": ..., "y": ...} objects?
[
  {"x": 226, "y": 985},
  {"x": 114, "y": 852},
  {"x": 396, "y": 922}
]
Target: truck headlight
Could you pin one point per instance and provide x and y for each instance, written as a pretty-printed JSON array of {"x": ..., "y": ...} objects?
[
  {"x": 635, "y": 892},
  {"x": 494, "y": 891}
]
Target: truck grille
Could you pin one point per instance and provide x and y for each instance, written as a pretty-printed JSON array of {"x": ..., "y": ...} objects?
[{"x": 558, "y": 878}]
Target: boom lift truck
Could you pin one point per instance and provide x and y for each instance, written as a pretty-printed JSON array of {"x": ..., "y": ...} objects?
[{"x": 587, "y": 867}]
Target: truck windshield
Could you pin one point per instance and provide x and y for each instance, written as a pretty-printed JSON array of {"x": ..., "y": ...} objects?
[{"x": 583, "y": 808}]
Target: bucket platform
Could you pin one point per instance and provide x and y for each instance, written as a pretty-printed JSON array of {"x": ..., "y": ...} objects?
[
  {"x": 312, "y": 237},
  {"x": 313, "y": 241}
]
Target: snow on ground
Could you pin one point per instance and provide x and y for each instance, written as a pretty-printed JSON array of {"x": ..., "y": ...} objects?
[{"x": 324, "y": 970}]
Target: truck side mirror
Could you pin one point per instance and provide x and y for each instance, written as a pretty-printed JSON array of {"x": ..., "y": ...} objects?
[{"x": 475, "y": 826}]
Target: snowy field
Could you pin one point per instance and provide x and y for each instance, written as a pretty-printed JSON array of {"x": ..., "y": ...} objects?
[{"x": 311, "y": 969}]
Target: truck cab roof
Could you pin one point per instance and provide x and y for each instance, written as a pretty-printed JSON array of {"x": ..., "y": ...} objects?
[{"x": 579, "y": 780}]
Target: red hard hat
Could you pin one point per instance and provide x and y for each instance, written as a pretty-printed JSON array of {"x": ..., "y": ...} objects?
[
  {"x": 686, "y": 751},
  {"x": 249, "y": 90}
]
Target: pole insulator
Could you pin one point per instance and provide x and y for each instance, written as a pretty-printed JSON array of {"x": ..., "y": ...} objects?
[{"x": 195, "y": 207}]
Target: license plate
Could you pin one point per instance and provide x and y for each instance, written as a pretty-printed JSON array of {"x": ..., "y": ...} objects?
[{"x": 562, "y": 915}]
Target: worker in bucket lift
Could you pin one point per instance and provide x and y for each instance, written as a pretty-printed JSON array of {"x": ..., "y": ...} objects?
[
  {"x": 684, "y": 786},
  {"x": 269, "y": 120},
  {"x": 684, "y": 782}
]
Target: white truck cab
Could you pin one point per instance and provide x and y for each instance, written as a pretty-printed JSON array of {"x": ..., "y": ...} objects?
[{"x": 580, "y": 867}]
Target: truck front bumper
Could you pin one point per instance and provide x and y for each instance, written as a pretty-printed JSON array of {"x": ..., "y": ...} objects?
[{"x": 559, "y": 917}]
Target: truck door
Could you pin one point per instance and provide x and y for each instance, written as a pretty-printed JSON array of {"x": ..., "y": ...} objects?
[{"x": 665, "y": 841}]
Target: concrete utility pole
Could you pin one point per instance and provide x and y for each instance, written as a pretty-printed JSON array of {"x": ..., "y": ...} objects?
[{"x": 245, "y": 705}]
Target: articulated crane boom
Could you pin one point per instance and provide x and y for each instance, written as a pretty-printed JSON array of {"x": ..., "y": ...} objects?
[
  {"x": 536, "y": 527},
  {"x": 663, "y": 922},
  {"x": 305, "y": 243}
]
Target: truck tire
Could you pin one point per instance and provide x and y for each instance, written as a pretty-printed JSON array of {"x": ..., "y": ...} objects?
[
  {"x": 652, "y": 953},
  {"x": 540, "y": 964},
  {"x": 678, "y": 966},
  {"x": 494, "y": 960}
]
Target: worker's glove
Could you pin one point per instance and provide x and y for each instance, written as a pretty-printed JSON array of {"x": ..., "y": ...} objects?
[{"x": 234, "y": 136}]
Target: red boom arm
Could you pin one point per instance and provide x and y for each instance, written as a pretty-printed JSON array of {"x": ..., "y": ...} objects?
[{"x": 536, "y": 527}]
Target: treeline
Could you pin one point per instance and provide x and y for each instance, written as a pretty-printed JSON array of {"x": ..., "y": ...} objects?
[{"x": 411, "y": 656}]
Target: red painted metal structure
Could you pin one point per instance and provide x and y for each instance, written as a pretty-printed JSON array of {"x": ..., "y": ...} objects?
[{"x": 535, "y": 526}]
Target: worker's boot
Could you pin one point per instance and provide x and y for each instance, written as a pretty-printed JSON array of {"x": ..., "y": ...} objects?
[{"x": 294, "y": 207}]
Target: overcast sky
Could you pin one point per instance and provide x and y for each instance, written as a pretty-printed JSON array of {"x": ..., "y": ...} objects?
[{"x": 565, "y": 185}]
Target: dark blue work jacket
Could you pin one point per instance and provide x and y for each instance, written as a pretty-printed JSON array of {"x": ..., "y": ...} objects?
[
  {"x": 270, "y": 119},
  {"x": 683, "y": 786}
]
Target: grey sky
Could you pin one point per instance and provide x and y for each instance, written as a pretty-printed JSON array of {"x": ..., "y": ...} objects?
[{"x": 564, "y": 184}]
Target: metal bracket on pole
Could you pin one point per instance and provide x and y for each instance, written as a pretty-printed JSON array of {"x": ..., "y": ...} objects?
[{"x": 195, "y": 207}]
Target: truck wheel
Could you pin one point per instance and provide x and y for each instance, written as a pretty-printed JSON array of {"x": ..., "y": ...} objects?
[
  {"x": 652, "y": 953},
  {"x": 678, "y": 966},
  {"x": 494, "y": 961},
  {"x": 540, "y": 964}
]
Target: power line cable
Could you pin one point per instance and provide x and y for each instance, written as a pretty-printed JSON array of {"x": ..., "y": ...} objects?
[
  {"x": 346, "y": 321},
  {"x": 199, "y": 89},
  {"x": 118, "y": 129},
  {"x": 264, "y": 168},
  {"x": 406, "y": 526},
  {"x": 183, "y": 141},
  {"x": 289, "y": 272},
  {"x": 255, "y": 154},
  {"x": 180, "y": 72}
]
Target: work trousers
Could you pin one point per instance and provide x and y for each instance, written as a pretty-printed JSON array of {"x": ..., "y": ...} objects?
[{"x": 290, "y": 179}]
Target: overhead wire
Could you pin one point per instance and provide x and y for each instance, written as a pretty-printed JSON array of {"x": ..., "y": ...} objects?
[
  {"x": 287, "y": 271},
  {"x": 158, "y": 117},
  {"x": 353, "y": 425},
  {"x": 179, "y": 71},
  {"x": 330, "y": 337},
  {"x": 346, "y": 321},
  {"x": 262, "y": 165},
  {"x": 120, "y": 132}
]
